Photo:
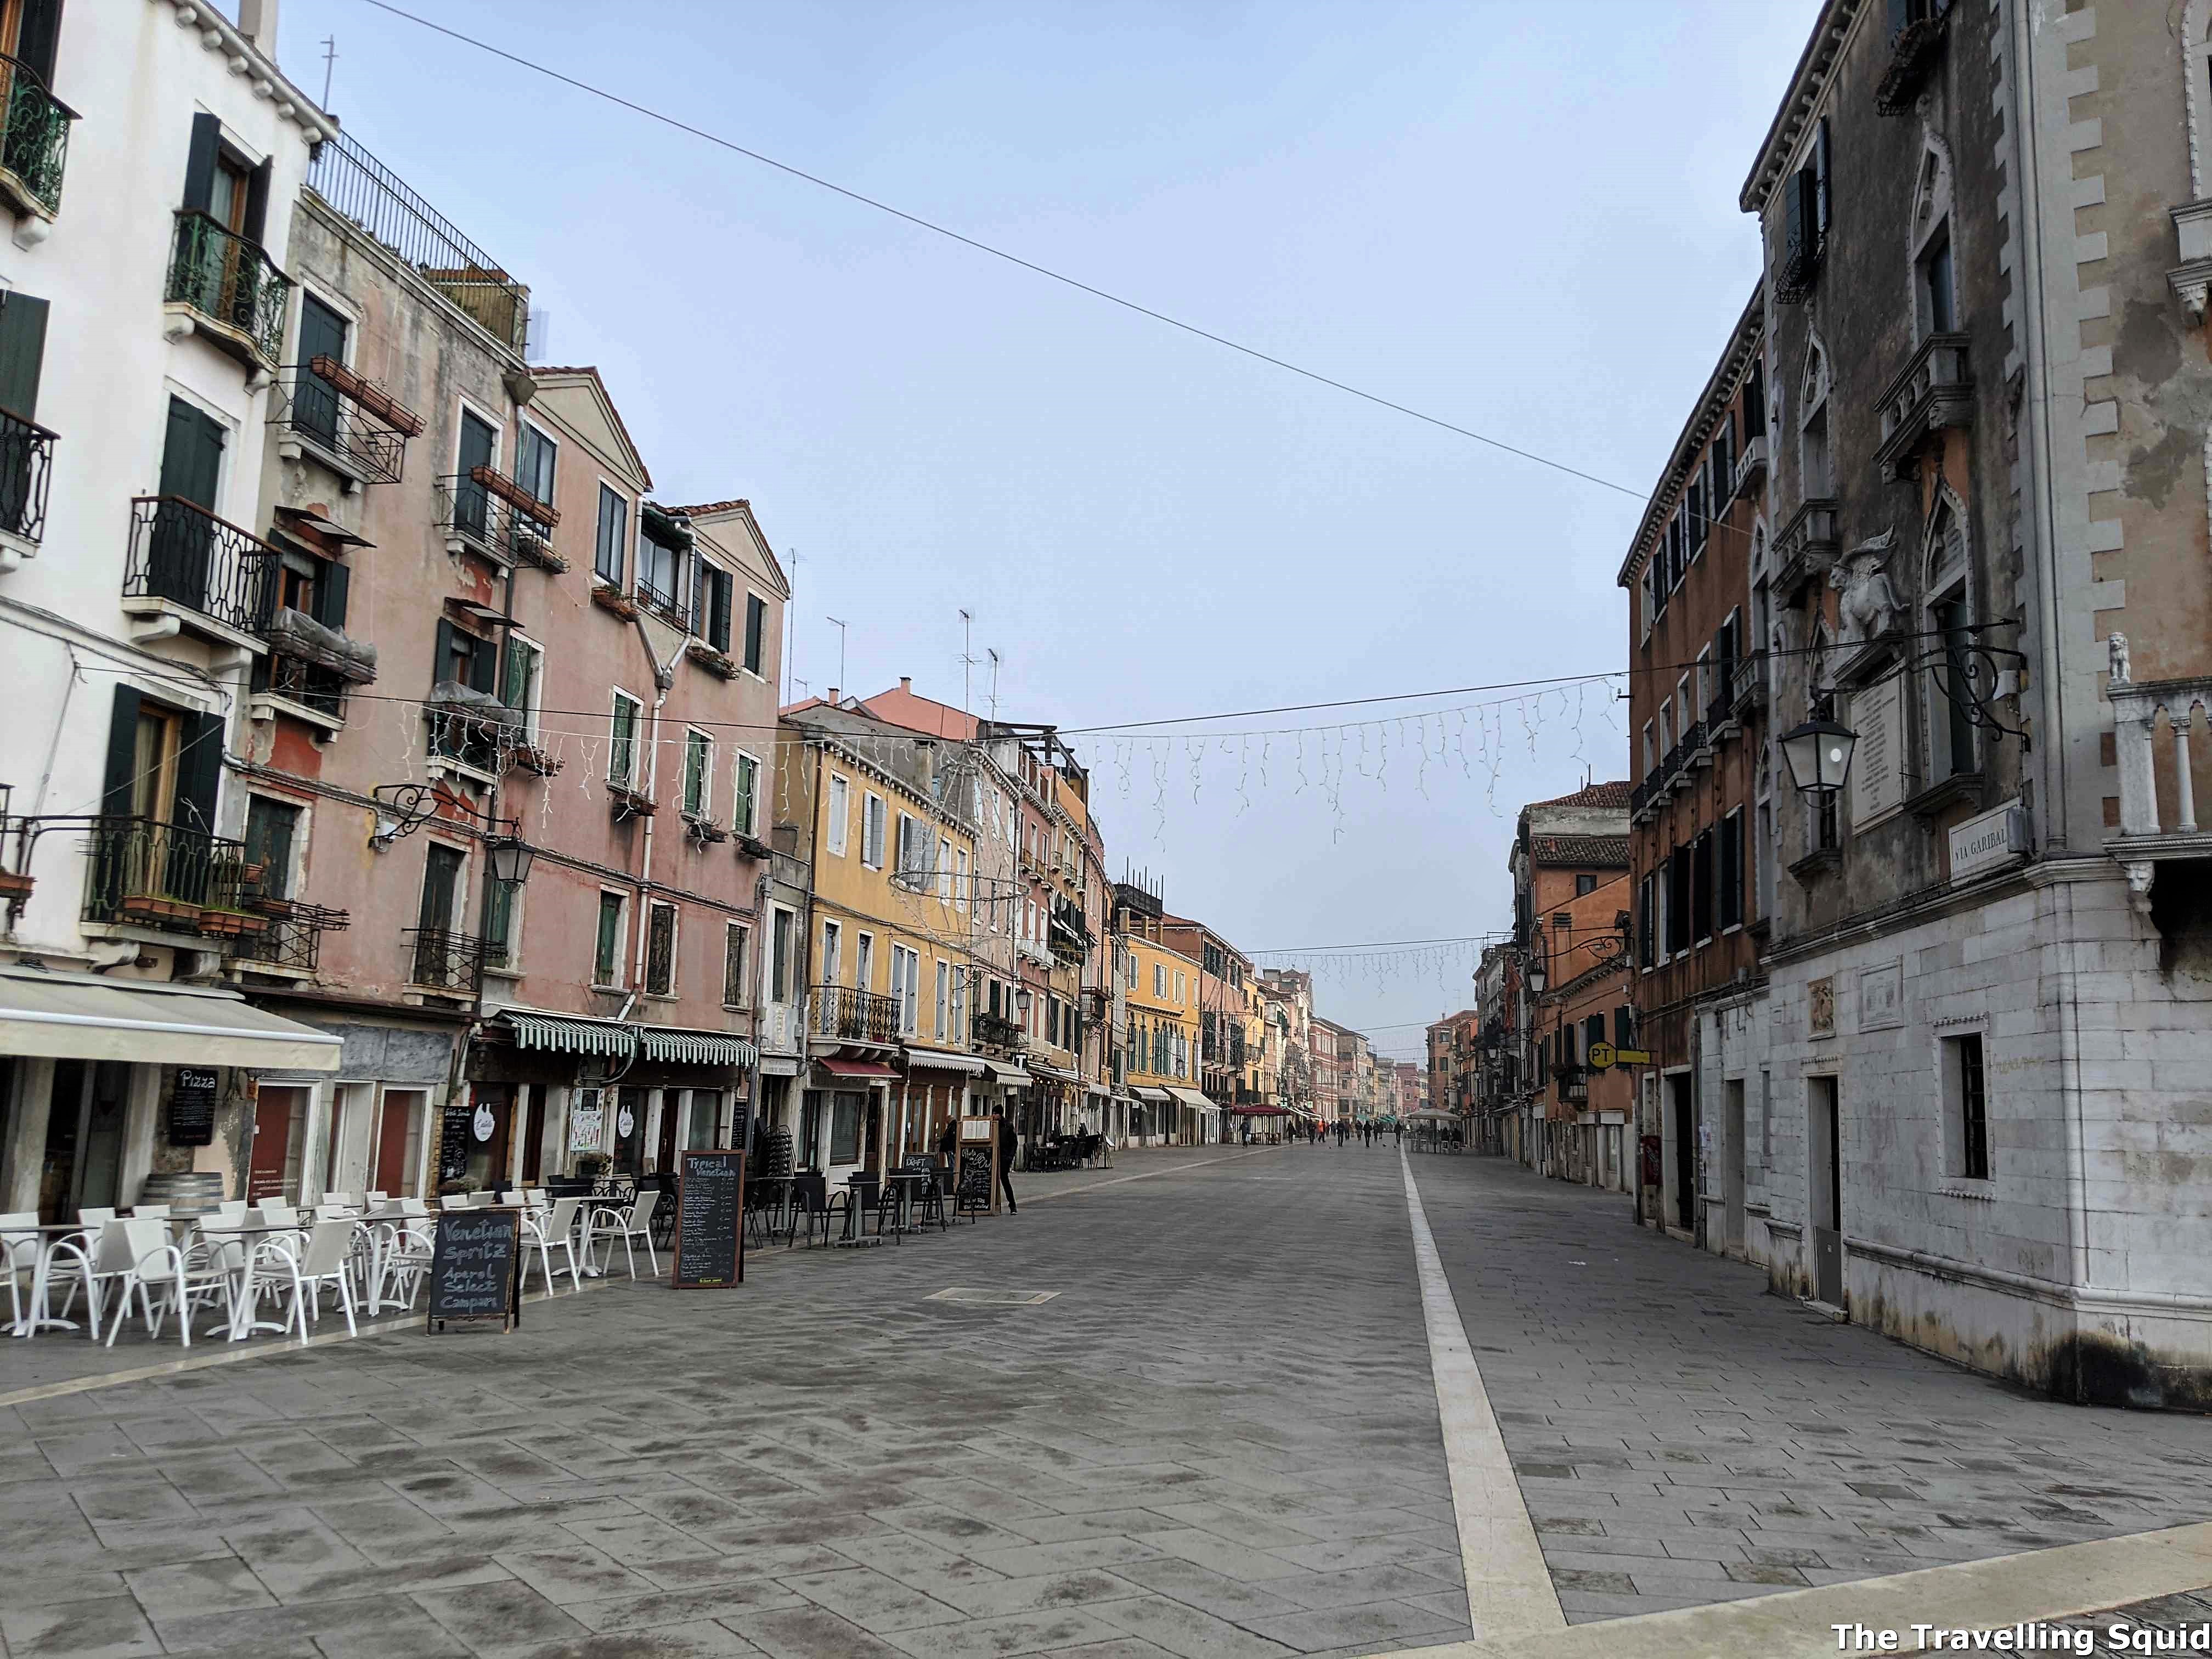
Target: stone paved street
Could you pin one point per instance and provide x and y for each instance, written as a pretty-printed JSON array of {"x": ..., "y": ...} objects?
[
  {"x": 1220, "y": 1437},
  {"x": 1683, "y": 1437}
]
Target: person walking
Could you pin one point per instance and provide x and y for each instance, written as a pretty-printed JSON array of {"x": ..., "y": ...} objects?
[{"x": 1010, "y": 1143}]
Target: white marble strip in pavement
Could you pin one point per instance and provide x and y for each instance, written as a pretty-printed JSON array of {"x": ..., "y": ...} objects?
[
  {"x": 1995, "y": 1595},
  {"x": 1510, "y": 1597}
]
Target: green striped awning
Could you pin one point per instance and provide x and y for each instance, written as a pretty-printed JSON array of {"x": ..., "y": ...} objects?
[
  {"x": 553, "y": 1034},
  {"x": 695, "y": 1048}
]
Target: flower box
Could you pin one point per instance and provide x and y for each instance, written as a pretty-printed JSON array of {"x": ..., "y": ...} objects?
[
  {"x": 533, "y": 758},
  {"x": 614, "y": 599},
  {"x": 14, "y": 888},
  {"x": 714, "y": 662}
]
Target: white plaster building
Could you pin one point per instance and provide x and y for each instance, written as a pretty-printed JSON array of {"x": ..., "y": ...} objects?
[{"x": 143, "y": 318}]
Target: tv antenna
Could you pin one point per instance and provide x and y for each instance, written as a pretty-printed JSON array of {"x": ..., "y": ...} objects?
[
  {"x": 330, "y": 63},
  {"x": 966, "y": 655},
  {"x": 840, "y": 626},
  {"x": 992, "y": 651}
]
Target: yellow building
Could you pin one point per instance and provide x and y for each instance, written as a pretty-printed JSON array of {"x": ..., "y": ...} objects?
[
  {"x": 1160, "y": 1038},
  {"x": 886, "y": 959}
]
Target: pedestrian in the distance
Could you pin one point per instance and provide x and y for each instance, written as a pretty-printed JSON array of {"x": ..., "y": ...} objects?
[{"x": 1010, "y": 1142}]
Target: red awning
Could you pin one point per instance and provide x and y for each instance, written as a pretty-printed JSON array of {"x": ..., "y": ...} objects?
[
  {"x": 855, "y": 1069},
  {"x": 1257, "y": 1111}
]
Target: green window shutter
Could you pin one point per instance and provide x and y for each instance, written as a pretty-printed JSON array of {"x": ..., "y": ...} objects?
[
  {"x": 257, "y": 201},
  {"x": 22, "y": 352},
  {"x": 333, "y": 580},
  {"x": 122, "y": 753},
  {"x": 199, "y": 163},
  {"x": 199, "y": 772},
  {"x": 483, "y": 665},
  {"x": 756, "y": 612},
  {"x": 191, "y": 454},
  {"x": 441, "y": 662}
]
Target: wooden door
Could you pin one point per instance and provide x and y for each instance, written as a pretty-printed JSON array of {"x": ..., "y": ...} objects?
[
  {"x": 670, "y": 1116},
  {"x": 272, "y": 1144},
  {"x": 395, "y": 1134},
  {"x": 533, "y": 1137}
]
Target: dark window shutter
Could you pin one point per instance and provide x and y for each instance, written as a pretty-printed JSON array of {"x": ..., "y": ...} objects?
[
  {"x": 1620, "y": 1032},
  {"x": 38, "y": 38},
  {"x": 257, "y": 201},
  {"x": 721, "y": 585},
  {"x": 199, "y": 164},
  {"x": 122, "y": 753},
  {"x": 1731, "y": 869},
  {"x": 199, "y": 771},
  {"x": 22, "y": 352},
  {"x": 1793, "y": 218},
  {"x": 484, "y": 664},
  {"x": 756, "y": 613},
  {"x": 1900, "y": 14},
  {"x": 1823, "y": 178},
  {"x": 441, "y": 665},
  {"x": 331, "y": 581}
]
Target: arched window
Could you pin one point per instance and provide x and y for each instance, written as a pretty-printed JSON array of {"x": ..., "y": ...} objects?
[
  {"x": 1934, "y": 281},
  {"x": 1948, "y": 597},
  {"x": 1815, "y": 469}
]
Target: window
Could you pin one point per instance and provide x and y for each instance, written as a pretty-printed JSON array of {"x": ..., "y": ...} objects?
[
  {"x": 864, "y": 963},
  {"x": 1731, "y": 871},
  {"x": 943, "y": 994},
  {"x": 1159, "y": 981},
  {"x": 906, "y": 987},
  {"x": 607, "y": 959},
  {"x": 845, "y": 1127},
  {"x": 745, "y": 811},
  {"x": 661, "y": 951},
  {"x": 1678, "y": 901},
  {"x": 1805, "y": 202},
  {"x": 1950, "y": 727},
  {"x": 734, "y": 938},
  {"x": 1937, "y": 309},
  {"x": 1701, "y": 888},
  {"x": 315, "y": 407},
  {"x": 872, "y": 816},
  {"x": 1585, "y": 884},
  {"x": 1762, "y": 864},
  {"x": 608, "y": 563},
  {"x": 272, "y": 829},
  {"x": 915, "y": 848},
  {"x": 519, "y": 686},
  {"x": 959, "y": 1001},
  {"x": 1705, "y": 679},
  {"x": 533, "y": 463},
  {"x": 1650, "y": 759},
  {"x": 660, "y": 571},
  {"x": 499, "y": 940},
  {"x": 943, "y": 868},
  {"x": 832, "y": 963},
  {"x": 715, "y": 588},
  {"x": 779, "y": 961},
  {"x": 1645, "y": 949},
  {"x": 756, "y": 620},
  {"x": 698, "y": 773},
  {"x": 621, "y": 742},
  {"x": 961, "y": 885},
  {"x": 1813, "y": 456},
  {"x": 1967, "y": 1117},
  {"x": 841, "y": 813}
]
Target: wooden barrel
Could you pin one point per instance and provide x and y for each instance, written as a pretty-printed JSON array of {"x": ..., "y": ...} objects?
[{"x": 186, "y": 1192}]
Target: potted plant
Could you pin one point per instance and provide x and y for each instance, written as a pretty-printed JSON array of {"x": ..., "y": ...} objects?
[
  {"x": 610, "y": 598},
  {"x": 14, "y": 888},
  {"x": 594, "y": 1165}
]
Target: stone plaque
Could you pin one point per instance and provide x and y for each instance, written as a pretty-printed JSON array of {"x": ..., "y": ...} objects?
[
  {"x": 1990, "y": 841},
  {"x": 1882, "y": 996},
  {"x": 1877, "y": 714},
  {"x": 1820, "y": 1007}
]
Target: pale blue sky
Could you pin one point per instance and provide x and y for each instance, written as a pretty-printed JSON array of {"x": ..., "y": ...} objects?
[{"x": 1520, "y": 218}]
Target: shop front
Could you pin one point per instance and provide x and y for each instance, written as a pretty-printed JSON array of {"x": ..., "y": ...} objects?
[
  {"x": 1200, "y": 1118},
  {"x": 106, "y": 1081},
  {"x": 844, "y": 1118},
  {"x": 1151, "y": 1118},
  {"x": 938, "y": 1088}
]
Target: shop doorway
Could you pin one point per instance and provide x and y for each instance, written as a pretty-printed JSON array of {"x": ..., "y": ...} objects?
[
  {"x": 491, "y": 1134},
  {"x": 703, "y": 1130},
  {"x": 85, "y": 1115},
  {"x": 399, "y": 1142},
  {"x": 629, "y": 1131},
  {"x": 1682, "y": 1111},
  {"x": 533, "y": 1136},
  {"x": 280, "y": 1126},
  {"x": 1825, "y": 1188},
  {"x": 1732, "y": 1183}
]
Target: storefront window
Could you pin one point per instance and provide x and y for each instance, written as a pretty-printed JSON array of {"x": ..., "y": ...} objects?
[
  {"x": 706, "y": 1126},
  {"x": 845, "y": 1127},
  {"x": 629, "y": 1131}
]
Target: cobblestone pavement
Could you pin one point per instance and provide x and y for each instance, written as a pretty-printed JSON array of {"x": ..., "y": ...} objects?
[
  {"x": 1681, "y": 1436},
  {"x": 1220, "y": 1437}
]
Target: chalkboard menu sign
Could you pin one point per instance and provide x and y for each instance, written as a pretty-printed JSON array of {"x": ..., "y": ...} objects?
[
  {"x": 191, "y": 1107},
  {"x": 973, "y": 1184},
  {"x": 710, "y": 1220},
  {"x": 475, "y": 1268},
  {"x": 453, "y": 1141}
]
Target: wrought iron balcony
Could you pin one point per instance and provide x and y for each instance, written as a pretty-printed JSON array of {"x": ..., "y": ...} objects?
[
  {"x": 35, "y": 145},
  {"x": 1806, "y": 549},
  {"x": 472, "y": 727},
  {"x": 183, "y": 557},
  {"x": 151, "y": 874},
  {"x": 292, "y": 938},
  {"x": 1935, "y": 389},
  {"x": 996, "y": 1033},
  {"x": 26, "y": 471},
  {"x": 443, "y": 960},
  {"x": 848, "y": 1015},
  {"x": 485, "y": 512},
  {"x": 666, "y": 606},
  {"x": 230, "y": 285},
  {"x": 1914, "y": 41},
  {"x": 353, "y": 422},
  {"x": 296, "y": 680},
  {"x": 1720, "y": 721}
]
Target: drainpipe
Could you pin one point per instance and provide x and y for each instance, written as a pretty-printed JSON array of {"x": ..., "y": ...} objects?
[{"x": 663, "y": 679}]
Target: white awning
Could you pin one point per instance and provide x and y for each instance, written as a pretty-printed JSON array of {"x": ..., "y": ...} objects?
[
  {"x": 1039, "y": 1068},
  {"x": 674, "y": 1046},
  {"x": 87, "y": 1017},
  {"x": 1156, "y": 1097},
  {"x": 1014, "y": 1075},
  {"x": 1193, "y": 1098},
  {"x": 939, "y": 1059}
]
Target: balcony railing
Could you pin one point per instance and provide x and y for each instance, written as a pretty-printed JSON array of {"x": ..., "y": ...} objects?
[
  {"x": 995, "y": 1032},
  {"x": 182, "y": 553},
  {"x": 490, "y": 513},
  {"x": 34, "y": 147},
  {"x": 1748, "y": 684},
  {"x": 1912, "y": 48},
  {"x": 27, "y": 472},
  {"x": 443, "y": 960},
  {"x": 354, "y": 422},
  {"x": 1750, "y": 467},
  {"x": 666, "y": 606},
  {"x": 231, "y": 282},
  {"x": 151, "y": 874},
  {"x": 848, "y": 1015},
  {"x": 2148, "y": 831},
  {"x": 1806, "y": 548},
  {"x": 309, "y": 685},
  {"x": 293, "y": 936},
  {"x": 1935, "y": 389},
  {"x": 365, "y": 191}
]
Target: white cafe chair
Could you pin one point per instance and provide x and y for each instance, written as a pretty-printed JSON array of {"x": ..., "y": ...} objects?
[
  {"x": 630, "y": 1226},
  {"x": 547, "y": 1231},
  {"x": 185, "y": 1285}
]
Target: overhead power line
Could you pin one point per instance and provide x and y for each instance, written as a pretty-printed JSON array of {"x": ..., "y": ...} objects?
[{"x": 1011, "y": 258}]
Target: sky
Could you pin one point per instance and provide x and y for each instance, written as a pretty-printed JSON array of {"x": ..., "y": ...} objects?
[{"x": 1520, "y": 220}]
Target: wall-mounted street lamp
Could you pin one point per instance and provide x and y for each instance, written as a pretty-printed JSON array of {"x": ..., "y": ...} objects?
[
  {"x": 510, "y": 859},
  {"x": 1819, "y": 754}
]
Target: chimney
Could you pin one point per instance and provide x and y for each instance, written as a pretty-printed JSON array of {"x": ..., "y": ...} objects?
[
  {"x": 833, "y": 696},
  {"x": 257, "y": 21},
  {"x": 906, "y": 683}
]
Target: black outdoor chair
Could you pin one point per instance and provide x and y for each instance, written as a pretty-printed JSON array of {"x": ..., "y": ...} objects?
[
  {"x": 809, "y": 1202},
  {"x": 927, "y": 1195}
]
